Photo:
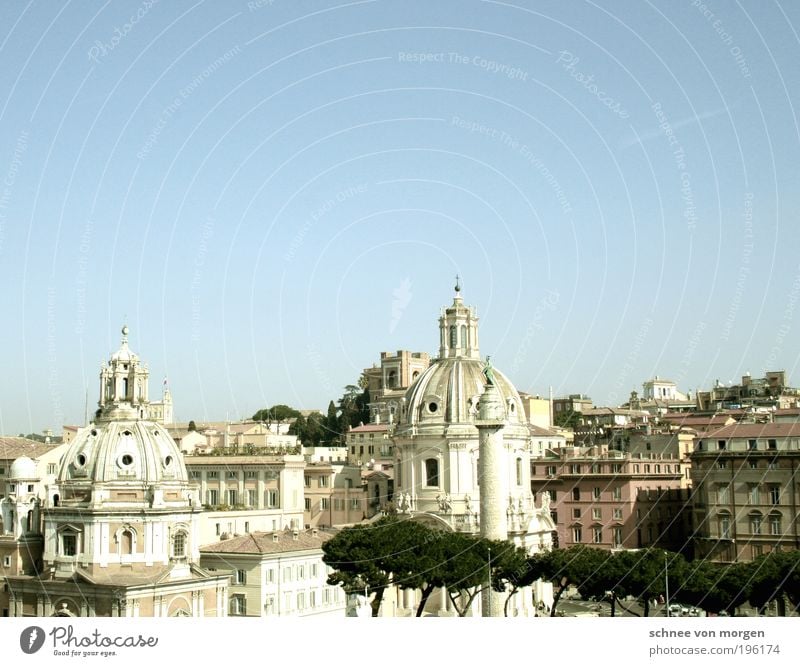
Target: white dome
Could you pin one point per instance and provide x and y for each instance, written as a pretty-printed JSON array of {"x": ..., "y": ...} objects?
[
  {"x": 23, "y": 468},
  {"x": 140, "y": 451},
  {"x": 449, "y": 390}
]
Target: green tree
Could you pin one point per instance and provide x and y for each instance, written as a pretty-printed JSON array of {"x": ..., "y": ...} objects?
[
  {"x": 776, "y": 576},
  {"x": 715, "y": 587},
  {"x": 332, "y": 423},
  {"x": 276, "y": 414},
  {"x": 298, "y": 428},
  {"x": 192, "y": 426}
]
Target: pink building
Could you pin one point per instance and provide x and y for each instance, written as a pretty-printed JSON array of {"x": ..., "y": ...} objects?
[{"x": 594, "y": 491}]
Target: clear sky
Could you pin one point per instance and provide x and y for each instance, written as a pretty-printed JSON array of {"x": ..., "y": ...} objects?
[{"x": 272, "y": 193}]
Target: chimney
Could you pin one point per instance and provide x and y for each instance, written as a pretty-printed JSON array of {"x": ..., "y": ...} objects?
[
  {"x": 314, "y": 532},
  {"x": 295, "y": 535}
]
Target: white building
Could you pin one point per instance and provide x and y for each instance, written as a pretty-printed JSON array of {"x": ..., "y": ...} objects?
[{"x": 278, "y": 574}]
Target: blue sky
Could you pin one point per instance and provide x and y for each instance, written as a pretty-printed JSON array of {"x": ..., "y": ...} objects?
[{"x": 272, "y": 193}]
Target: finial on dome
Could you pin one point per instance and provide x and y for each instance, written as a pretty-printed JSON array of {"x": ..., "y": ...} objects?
[
  {"x": 458, "y": 283},
  {"x": 125, "y": 334}
]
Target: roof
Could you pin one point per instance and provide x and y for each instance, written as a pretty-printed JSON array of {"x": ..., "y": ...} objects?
[
  {"x": 265, "y": 543},
  {"x": 537, "y": 431},
  {"x": 371, "y": 427},
  {"x": 693, "y": 421},
  {"x": 789, "y": 411},
  {"x": 12, "y": 448},
  {"x": 755, "y": 430}
]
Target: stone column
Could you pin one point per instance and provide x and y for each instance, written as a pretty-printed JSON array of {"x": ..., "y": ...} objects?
[{"x": 493, "y": 482}]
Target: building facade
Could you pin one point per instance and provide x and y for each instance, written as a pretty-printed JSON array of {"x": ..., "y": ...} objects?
[{"x": 747, "y": 491}]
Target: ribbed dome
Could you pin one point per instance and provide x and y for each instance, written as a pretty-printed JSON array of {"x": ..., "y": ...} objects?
[
  {"x": 23, "y": 468},
  {"x": 448, "y": 392},
  {"x": 140, "y": 451}
]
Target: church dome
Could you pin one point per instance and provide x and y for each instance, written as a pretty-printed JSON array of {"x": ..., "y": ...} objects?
[
  {"x": 449, "y": 390},
  {"x": 140, "y": 451},
  {"x": 23, "y": 468},
  {"x": 124, "y": 354}
]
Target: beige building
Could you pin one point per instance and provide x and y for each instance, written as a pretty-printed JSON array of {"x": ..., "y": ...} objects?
[
  {"x": 120, "y": 530},
  {"x": 388, "y": 383},
  {"x": 334, "y": 495},
  {"x": 538, "y": 411},
  {"x": 276, "y": 574},
  {"x": 370, "y": 443},
  {"x": 747, "y": 491}
]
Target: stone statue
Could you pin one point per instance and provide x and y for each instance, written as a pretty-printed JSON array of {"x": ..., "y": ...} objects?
[
  {"x": 487, "y": 372},
  {"x": 468, "y": 505},
  {"x": 546, "y": 501},
  {"x": 447, "y": 504},
  {"x": 521, "y": 504}
]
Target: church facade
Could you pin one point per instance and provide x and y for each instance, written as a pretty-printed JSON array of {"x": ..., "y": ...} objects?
[
  {"x": 120, "y": 523},
  {"x": 438, "y": 444}
]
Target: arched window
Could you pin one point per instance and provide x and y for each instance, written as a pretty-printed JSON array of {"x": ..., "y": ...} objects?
[
  {"x": 431, "y": 472},
  {"x": 519, "y": 471},
  {"x": 453, "y": 337},
  {"x": 29, "y": 522},
  {"x": 463, "y": 337},
  {"x": 179, "y": 544},
  {"x": 126, "y": 543},
  {"x": 392, "y": 379}
]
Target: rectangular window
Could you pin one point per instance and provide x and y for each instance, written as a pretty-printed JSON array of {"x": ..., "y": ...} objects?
[
  {"x": 307, "y": 481},
  {"x": 241, "y": 577},
  {"x": 287, "y": 575},
  {"x": 775, "y": 525},
  {"x": 326, "y": 596},
  {"x": 252, "y": 498},
  {"x": 233, "y": 496},
  {"x": 307, "y": 502},
  {"x": 355, "y": 503},
  {"x": 596, "y": 493},
  {"x": 755, "y": 524},
  {"x": 752, "y": 444},
  {"x": 597, "y": 535},
  {"x": 721, "y": 444},
  {"x": 301, "y": 572},
  {"x": 52, "y": 468},
  {"x": 722, "y": 494},
  {"x": 576, "y": 513},
  {"x": 752, "y": 464},
  {"x": 774, "y": 494},
  {"x": 551, "y": 470},
  {"x": 246, "y": 527},
  {"x": 269, "y": 605},
  {"x": 212, "y": 474},
  {"x": 595, "y": 468},
  {"x": 271, "y": 499},
  {"x": 754, "y": 494},
  {"x": 212, "y": 497},
  {"x": 324, "y": 503},
  {"x": 301, "y": 600},
  {"x": 576, "y": 494},
  {"x": 270, "y": 575},
  {"x": 575, "y": 469},
  {"x": 772, "y": 444},
  {"x": 722, "y": 464},
  {"x": 616, "y": 468},
  {"x": 7, "y": 561},
  {"x": 597, "y": 514},
  {"x": 617, "y": 537},
  {"x": 232, "y": 475},
  {"x": 576, "y": 535},
  {"x": 617, "y": 493},
  {"x": 194, "y": 474},
  {"x": 725, "y": 527},
  {"x": 323, "y": 482},
  {"x": 70, "y": 544},
  {"x": 238, "y": 602},
  {"x": 617, "y": 514},
  {"x": 250, "y": 474},
  {"x": 314, "y": 570},
  {"x": 636, "y": 469}
]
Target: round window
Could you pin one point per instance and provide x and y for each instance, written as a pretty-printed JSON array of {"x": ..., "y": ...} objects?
[
  {"x": 94, "y": 432},
  {"x": 167, "y": 461},
  {"x": 81, "y": 460},
  {"x": 126, "y": 460},
  {"x": 433, "y": 407}
]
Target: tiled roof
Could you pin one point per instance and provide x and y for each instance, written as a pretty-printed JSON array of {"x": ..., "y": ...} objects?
[
  {"x": 265, "y": 543},
  {"x": 371, "y": 427},
  {"x": 12, "y": 448},
  {"x": 537, "y": 431},
  {"x": 755, "y": 430}
]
